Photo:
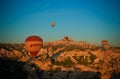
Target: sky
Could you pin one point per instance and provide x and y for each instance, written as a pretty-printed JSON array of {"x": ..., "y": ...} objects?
[{"x": 82, "y": 20}]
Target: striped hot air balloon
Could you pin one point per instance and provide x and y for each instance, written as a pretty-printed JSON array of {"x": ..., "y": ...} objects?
[
  {"x": 104, "y": 42},
  {"x": 33, "y": 44}
]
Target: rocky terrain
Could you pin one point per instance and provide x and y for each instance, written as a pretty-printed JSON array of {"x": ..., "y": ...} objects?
[{"x": 61, "y": 59}]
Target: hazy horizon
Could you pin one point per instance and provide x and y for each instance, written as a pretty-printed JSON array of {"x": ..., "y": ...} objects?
[{"x": 83, "y": 20}]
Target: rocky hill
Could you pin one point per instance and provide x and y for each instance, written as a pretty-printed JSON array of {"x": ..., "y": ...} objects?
[{"x": 64, "y": 59}]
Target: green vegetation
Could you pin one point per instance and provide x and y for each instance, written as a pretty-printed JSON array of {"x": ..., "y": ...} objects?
[
  {"x": 67, "y": 62},
  {"x": 11, "y": 47},
  {"x": 57, "y": 47},
  {"x": 84, "y": 60},
  {"x": 70, "y": 48},
  {"x": 92, "y": 57}
]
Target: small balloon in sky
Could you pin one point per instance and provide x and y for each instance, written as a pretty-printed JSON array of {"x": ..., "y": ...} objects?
[
  {"x": 33, "y": 44},
  {"x": 52, "y": 24}
]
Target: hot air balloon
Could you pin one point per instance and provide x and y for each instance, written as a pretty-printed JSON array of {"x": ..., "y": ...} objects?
[
  {"x": 33, "y": 44},
  {"x": 52, "y": 24},
  {"x": 104, "y": 42}
]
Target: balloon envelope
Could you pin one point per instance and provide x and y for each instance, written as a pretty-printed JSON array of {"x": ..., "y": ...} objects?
[
  {"x": 104, "y": 42},
  {"x": 33, "y": 44},
  {"x": 52, "y": 24}
]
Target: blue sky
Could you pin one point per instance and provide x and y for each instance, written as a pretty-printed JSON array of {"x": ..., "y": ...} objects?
[{"x": 83, "y": 20}]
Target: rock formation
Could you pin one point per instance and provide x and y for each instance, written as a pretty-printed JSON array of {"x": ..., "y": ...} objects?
[{"x": 68, "y": 55}]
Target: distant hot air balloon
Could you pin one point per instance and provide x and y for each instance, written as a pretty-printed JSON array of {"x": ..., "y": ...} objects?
[
  {"x": 52, "y": 24},
  {"x": 33, "y": 44},
  {"x": 104, "y": 42}
]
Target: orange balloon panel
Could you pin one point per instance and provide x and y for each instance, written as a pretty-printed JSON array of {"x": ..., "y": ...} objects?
[{"x": 33, "y": 44}]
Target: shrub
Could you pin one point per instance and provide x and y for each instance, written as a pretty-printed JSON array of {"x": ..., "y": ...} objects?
[
  {"x": 92, "y": 57},
  {"x": 67, "y": 62},
  {"x": 82, "y": 60}
]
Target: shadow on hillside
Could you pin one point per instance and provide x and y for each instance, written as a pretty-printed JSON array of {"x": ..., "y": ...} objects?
[
  {"x": 10, "y": 69},
  {"x": 115, "y": 76},
  {"x": 55, "y": 56}
]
